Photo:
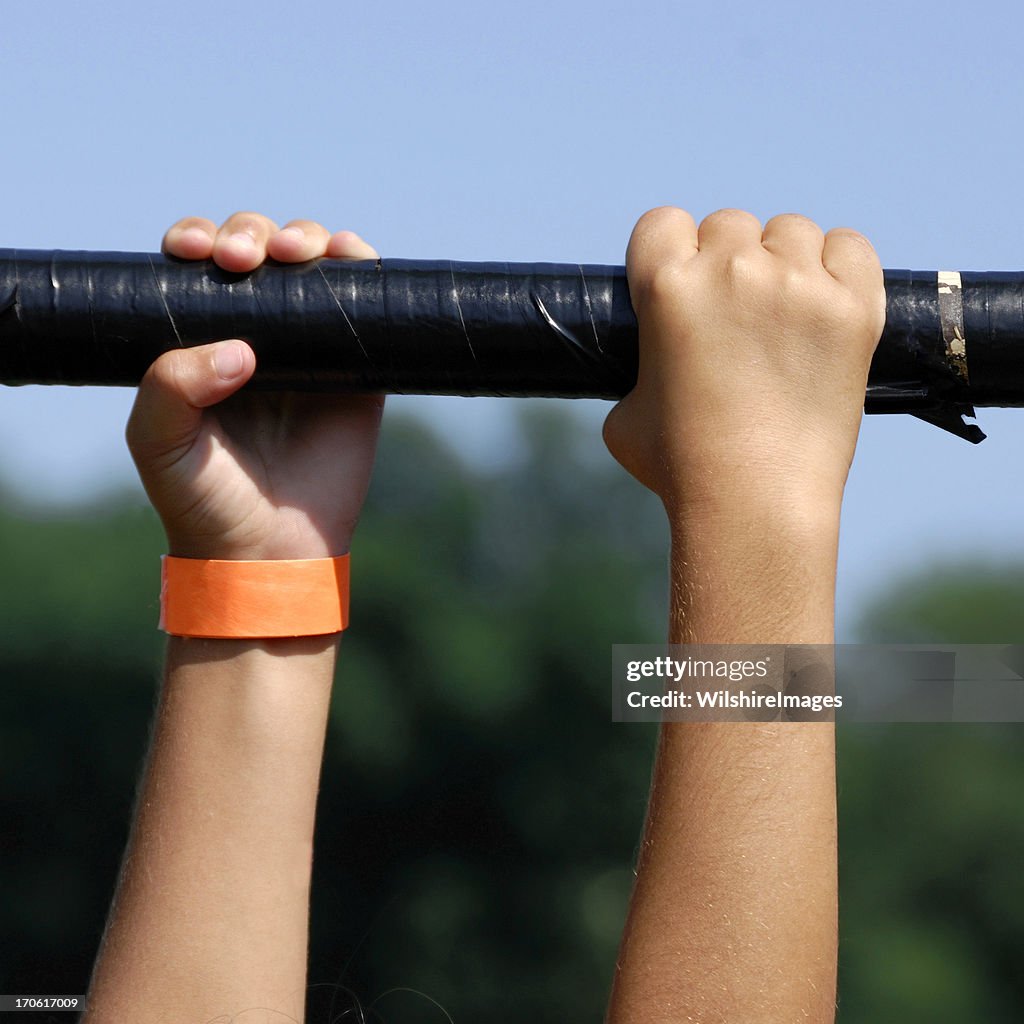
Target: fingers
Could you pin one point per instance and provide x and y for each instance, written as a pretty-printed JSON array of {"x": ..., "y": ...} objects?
[
  {"x": 662, "y": 239},
  {"x": 347, "y": 245},
  {"x": 306, "y": 240},
  {"x": 662, "y": 234},
  {"x": 298, "y": 241},
  {"x": 190, "y": 239},
  {"x": 167, "y": 414},
  {"x": 246, "y": 239},
  {"x": 846, "y": 254},
  {"x": 239, "y": 245},
  {"x": 849, "y": 257},
  {"x": 795, "y": 238},
  {"x": 729, "y": 230},
  {"x": 241, "y": 242}
]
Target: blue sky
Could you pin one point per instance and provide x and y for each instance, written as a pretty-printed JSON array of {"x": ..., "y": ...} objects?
[{"x": 531, "y": 132}]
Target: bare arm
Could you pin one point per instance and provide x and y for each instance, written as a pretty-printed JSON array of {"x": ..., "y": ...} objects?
[
  {"x": 733, "y": 916},
  {"x": 211, "y": 913},
  {"x": 754, "y": 356}
]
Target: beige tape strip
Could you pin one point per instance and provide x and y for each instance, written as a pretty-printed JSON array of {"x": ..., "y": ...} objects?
[{"x": 951, "y": 316}]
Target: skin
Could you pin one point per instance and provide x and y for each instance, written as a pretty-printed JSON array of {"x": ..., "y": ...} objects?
[
  {"x": 754, "y": 353},
  {"x": 211, "y": 911},
  {"x": 754, "y": 350}
]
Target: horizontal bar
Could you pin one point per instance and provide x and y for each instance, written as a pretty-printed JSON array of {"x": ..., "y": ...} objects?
[{"x": 951, "y": 341}]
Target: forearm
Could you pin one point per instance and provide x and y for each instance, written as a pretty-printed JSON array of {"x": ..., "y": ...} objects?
[
  {"x": 733, "y": 916},
  {"x": 757, "y": 569},
  {"x": 211, "y": 912}
]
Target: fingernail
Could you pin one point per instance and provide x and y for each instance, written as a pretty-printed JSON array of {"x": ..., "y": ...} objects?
[
  {"x": 228, "y": 360},
  {"x": 195, "y": 236},
  {"x": 243, "y": 240},
  {"x": 295, "y": 233}
]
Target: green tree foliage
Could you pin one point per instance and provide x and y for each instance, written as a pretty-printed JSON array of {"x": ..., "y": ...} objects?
[
  {"x": 932, "y": 828},
  {"x": 479, "y": 811},
  {"x": 78, "y": 668},
  {"x": 965, "y": 603}
]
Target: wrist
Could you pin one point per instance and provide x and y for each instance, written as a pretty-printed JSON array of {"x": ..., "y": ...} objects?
[
  {"x": 757, "y": 570},
  {"x": 759, "y": 466},
  {"x": 183, "y": 650},
  {"x": 758, "y": 509},
  {"x": 269, "y": 549}
]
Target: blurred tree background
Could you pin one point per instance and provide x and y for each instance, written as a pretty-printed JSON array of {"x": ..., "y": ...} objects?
[{"x": 479, "y": 811}]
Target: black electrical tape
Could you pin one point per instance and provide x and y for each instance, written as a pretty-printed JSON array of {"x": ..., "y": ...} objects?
[{"x": 438, "y": 327}]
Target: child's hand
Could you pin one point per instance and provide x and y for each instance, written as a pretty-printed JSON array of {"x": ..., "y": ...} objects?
[
  {"x": 256, "y": 475},
  {"x": 754, "y": 355}
]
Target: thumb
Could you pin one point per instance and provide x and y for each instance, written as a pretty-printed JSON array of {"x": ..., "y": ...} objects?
[
  {"x": 168, "y": 410},
  {"x": 632, "y": 437},
  {"x": 618, "y": 432}
]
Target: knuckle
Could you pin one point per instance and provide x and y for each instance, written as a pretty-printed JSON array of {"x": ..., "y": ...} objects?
[
  {"x": 306, "y": 225},
  {"x": 852, "y": 238},
  {"x": 663, "y": 217},
  {"x": 203, "y": 223},
  {"x": 167, "y": 374},
  {"x": 168, "y": 370},
  {"x": 794, "y": 220},
  {"x": 661, "y": 222},
  {"x": 248, "y": 220},
  {"x": 811, "y": 296},
  {"x": 173, "y": 236},
  {"x": 793, "y": 284},
  {"x": 848, "y": 315},
  {"x": 659, "y": 283},
  {"x": 729, "y": 215},
  {"x": 661, "y": 245},
  {"x": 741, "y": 268}
]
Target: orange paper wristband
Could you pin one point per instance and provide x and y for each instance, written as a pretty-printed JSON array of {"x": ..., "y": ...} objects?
[{"x": 225, "y": 600}]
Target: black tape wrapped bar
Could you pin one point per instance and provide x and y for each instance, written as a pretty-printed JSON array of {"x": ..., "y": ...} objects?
[{"x": 447, "y": 328}]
